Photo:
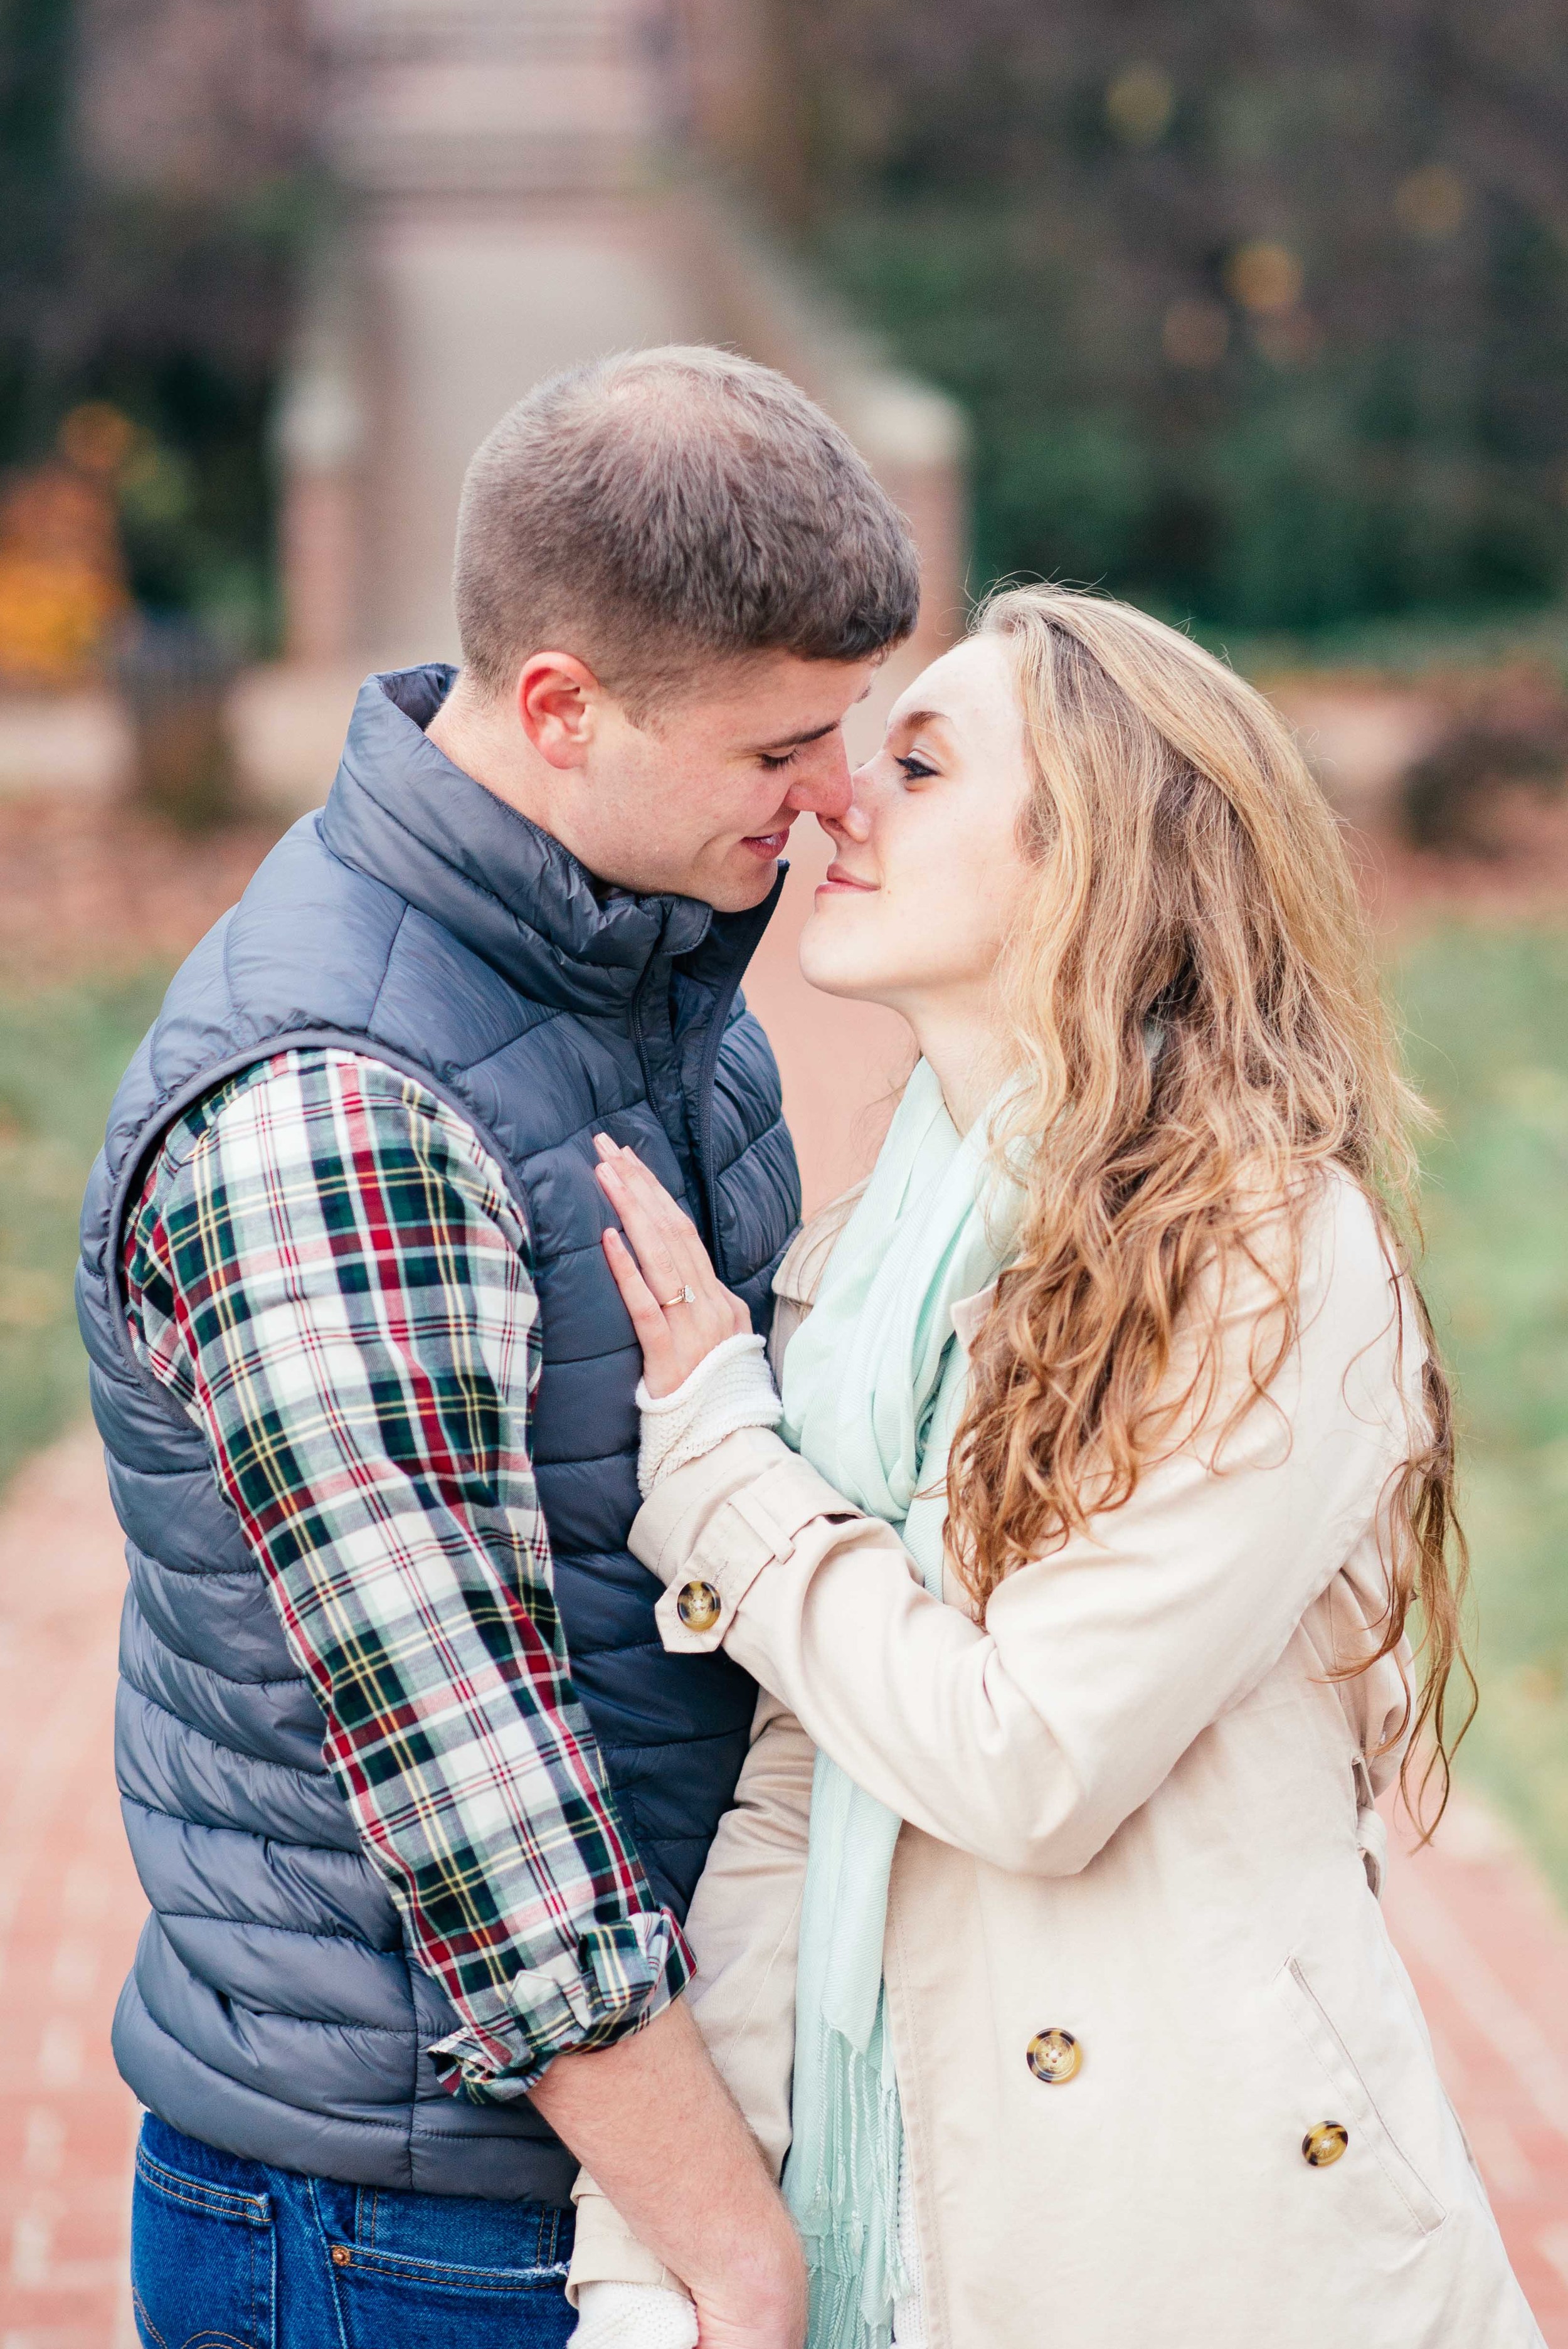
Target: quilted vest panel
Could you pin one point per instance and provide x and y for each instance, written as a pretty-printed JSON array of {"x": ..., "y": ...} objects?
[{"x": 272, "y": 2009}]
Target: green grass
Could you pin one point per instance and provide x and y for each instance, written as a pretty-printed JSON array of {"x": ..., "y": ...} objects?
[
  {"x": 1487, "y": 1012},
  {"x": 61, "y": 1054}
]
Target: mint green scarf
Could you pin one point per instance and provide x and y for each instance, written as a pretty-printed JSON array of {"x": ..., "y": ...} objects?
[{"x": 874, "y": 1389}]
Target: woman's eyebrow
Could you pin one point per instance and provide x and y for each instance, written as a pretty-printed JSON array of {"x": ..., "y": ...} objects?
[{"x": 916, "y": 719}]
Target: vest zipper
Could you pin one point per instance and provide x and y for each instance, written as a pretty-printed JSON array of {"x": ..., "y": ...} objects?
[
  {"x": 707, "y": 1067},
  {"x": 713, "y": 1044},
  {"x": 707, "y": 1072},
  {"x": 684, "y": 1142}
]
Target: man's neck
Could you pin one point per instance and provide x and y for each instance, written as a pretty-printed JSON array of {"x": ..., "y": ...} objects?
[{"x": 475, "y": 736}]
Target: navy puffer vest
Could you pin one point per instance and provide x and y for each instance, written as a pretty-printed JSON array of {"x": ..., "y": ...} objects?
[{"x": 272, "y": 2010}]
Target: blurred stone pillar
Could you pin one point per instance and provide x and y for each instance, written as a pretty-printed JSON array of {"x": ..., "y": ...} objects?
[
  {"x": 498, "y": 161},
  {"x": 319, "y": 442}
]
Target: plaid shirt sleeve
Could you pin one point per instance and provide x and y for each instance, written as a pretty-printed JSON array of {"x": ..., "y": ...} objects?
[{"x": 328, "y": 1271}]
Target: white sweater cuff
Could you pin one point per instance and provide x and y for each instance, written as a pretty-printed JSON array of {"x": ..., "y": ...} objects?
[
  {"x": 634, "y": 2316},
  {"x": 730, "y": 1388}
]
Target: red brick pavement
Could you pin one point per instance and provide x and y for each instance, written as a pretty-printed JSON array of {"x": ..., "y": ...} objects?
[
  {"x": 69, "y": 1911},
  {"x": 1488, "y": 1952}
]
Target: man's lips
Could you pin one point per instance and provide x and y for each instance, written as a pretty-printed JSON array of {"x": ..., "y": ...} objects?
[
  {"x": 837, "y": 882},
  {"x": 769, "y": 843}
]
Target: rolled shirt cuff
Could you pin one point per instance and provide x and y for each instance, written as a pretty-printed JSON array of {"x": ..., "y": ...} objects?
[{"x": 617, "y": 1980}]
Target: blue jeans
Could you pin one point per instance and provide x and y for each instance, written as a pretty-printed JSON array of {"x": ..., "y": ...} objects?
[{"x": 230, "y": 2251}]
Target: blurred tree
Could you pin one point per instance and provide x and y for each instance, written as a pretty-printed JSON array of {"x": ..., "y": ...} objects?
[
  {"x": 35, "y": 65},
  {"x": 1260, "y": 306},
  {"x": 151, "y": 273}
]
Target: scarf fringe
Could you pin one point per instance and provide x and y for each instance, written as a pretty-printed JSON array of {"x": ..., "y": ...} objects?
[{"x": 847, "y": 2210}]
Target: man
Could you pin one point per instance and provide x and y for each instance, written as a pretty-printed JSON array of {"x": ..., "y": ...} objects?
[{"x": 415, "y": 1794}]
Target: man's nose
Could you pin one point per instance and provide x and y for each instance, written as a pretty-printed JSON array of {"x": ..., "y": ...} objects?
[{"x": 822, "y": 788}]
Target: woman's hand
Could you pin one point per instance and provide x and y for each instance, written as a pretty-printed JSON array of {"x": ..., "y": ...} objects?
[{"x": 680, "y": 1308}]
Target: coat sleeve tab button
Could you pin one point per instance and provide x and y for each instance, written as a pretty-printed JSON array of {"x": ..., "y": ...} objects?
[{"x": 698, "y": 1606}]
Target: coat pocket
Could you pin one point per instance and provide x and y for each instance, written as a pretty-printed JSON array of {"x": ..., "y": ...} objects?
[{"x": 1359, "y": 2110}]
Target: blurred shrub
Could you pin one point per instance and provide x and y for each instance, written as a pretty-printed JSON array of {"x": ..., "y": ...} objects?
[
  {"x": 1508, "y": 735},
  {"x": 1261, "y": 314},
  {"x": 165, "y": 305},
  {"x": 62, "y": 572},
  {"x": 62, "y": 582}
]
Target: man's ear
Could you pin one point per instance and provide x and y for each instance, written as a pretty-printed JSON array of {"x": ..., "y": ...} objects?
[{"x": 557, "y": 699}]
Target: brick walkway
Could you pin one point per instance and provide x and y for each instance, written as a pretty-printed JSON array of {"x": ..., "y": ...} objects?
[
  {"x": 1489, "y": 1953},
  {"x": 69, "y": 1911}
]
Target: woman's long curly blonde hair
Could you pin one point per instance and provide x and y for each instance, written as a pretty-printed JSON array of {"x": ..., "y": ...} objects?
[{"x": 1192, "y": 876}]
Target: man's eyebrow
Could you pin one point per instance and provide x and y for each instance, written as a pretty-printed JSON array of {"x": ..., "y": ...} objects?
[{"x": 797, "y": 742}]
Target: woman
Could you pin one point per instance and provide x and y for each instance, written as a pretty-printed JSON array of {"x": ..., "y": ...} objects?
[{"x": 1115, "y": 1454}]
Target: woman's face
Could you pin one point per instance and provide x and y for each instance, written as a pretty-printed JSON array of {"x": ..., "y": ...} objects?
[{"x": 928, "y": 874}]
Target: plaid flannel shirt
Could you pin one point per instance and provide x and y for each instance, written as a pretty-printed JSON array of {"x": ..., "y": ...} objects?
[{"x": 329, "y": 1273}]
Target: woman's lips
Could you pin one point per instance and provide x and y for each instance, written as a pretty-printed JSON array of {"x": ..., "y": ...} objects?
[{"x": 840, "y": 883}]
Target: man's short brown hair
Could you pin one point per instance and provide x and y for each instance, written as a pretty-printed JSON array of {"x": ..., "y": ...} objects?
[{"x": 660, "y": 511}]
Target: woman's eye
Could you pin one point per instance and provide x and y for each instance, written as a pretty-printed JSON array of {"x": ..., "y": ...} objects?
[{"x": 915, "y": 770}]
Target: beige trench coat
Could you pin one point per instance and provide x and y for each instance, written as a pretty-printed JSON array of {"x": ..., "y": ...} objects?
[{"x": 1140, "y": 1833}]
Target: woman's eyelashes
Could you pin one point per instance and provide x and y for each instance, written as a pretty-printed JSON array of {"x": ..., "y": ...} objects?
[{"x": 914, "y": 767}]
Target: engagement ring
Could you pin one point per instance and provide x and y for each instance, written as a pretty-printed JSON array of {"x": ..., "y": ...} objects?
[{"x": 686, "y": 1296}]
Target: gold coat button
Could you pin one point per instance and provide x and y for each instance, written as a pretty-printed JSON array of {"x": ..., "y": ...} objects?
[
  {"x": 1323, "y": 2144},
  {"x": 698, "y": 1606},
  {"x": 1053, "y": 2056}
]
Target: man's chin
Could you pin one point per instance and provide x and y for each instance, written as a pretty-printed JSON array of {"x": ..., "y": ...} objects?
[{"x": 743, "y": 880}]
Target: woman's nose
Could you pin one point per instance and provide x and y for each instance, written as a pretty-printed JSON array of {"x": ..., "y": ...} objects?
[{"x": 855, "y": 822}]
